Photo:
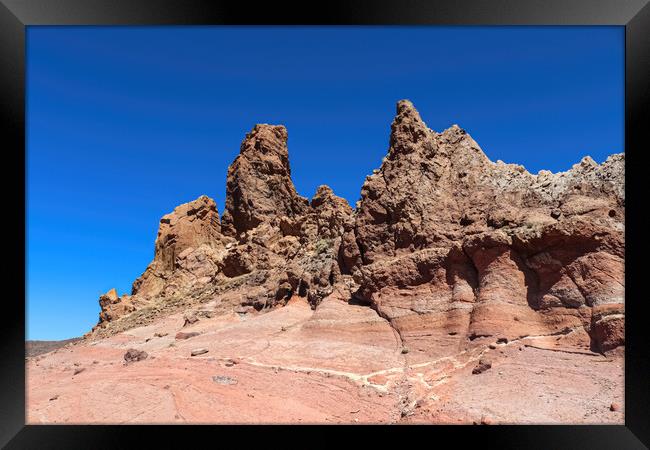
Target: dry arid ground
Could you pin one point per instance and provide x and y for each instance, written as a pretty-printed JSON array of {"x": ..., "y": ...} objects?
[
  {"x": 35, "y": 348},
  {"x": 339, "y": 364},
  {"x": 458, "y": 290}
]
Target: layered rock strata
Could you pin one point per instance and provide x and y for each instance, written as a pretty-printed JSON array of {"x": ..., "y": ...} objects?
[{"x": 449, "y": 247}]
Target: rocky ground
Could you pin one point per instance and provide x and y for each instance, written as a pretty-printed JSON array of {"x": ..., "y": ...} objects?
[
  {"x": 35, "y": 348},
  {"x": 457, "y": 290},
  {"x": 338, "y": 364}
]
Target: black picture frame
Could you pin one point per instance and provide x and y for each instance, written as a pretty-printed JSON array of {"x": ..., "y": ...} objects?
[{"x": 15, "y": 15}]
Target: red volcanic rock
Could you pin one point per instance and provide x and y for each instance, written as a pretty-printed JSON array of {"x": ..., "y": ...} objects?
[
  {"x": 113, "y": 307},
  {"x": 182, "y": 335},
  {"x": 444, "y": 239},
  {"x": 449, "y": 263},
  {"x": 189, "y": 241},
  {"x": 481, "y": 367},
  {"x": 286, "y": 245},
  {"x": 608, "y": 327},
  {"x": 133, "y": 355},
  {"x": 189, "y": 318},
  {"x": 259, "y": 186}
]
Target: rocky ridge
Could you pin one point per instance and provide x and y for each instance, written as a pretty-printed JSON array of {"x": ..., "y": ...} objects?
[
  {"x": 445, "y": 244},
  {"x": 457, "y": 290}
]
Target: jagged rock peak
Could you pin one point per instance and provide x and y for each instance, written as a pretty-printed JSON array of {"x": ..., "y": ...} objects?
[
  {"x": 258, "y": 185},
  {"x": 407, "y": 130},
  {"x": 405, "y": 108},
  {"x": 111, "y": 295},
  {"x": 325, "y": 196},
  {"x": 265, "y": 138},
  {"x": 200, "y": 207},
  {"x": 189, "y": 226}
]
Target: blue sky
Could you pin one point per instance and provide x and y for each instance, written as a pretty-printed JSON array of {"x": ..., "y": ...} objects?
[{"x": 125, "y": 123}]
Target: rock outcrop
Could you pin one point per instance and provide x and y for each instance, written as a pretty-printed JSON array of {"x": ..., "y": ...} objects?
[
  {"x": 458, "y": 290},
  {"x": 259, "y": 187},
  {"x": 269, "y": 245},
  {"x": 449, "y": 247},
  {"x": 286, "y": 245},
  {"x": 112, "y": 306},
  {"x": 189, "y": 246}
]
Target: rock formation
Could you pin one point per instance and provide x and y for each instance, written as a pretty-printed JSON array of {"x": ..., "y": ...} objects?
[
  {"x": 450, "y": 246},
  {"x": 457, "y": 291},
  {"x": 259, "y": 187},
  {"x": 446, "y": 245},
  {"x": 189, "y": 251},
  {"x": 270, "y": 244}
]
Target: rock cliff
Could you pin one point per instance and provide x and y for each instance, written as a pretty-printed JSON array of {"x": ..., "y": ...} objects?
[{"x": 449, "y": 247}]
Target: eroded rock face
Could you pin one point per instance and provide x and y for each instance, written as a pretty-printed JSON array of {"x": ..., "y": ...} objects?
[
  {"x": 188, "y": 255},
  {"x": 189, "y": 240},
  {"x": 286, "y": 245},
  {"x": 259, "y": 186},
  {"x": 271, "y": 243},
  {"x": 112, "y": 306},
  {"x": 449, "y": 247}
]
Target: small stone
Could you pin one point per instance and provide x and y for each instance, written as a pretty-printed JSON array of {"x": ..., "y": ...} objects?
[
  {"x": 190, "y": 318},
  {"x": 54, "y": 397},
  {"x": 614, "y": 407},
  {"x": 405, "y": 351},
  {"x": 133, "y": 355},
  {"x": 79, "y": 370},
  {"x": 182, "y": 335},
  {"x": 492, "y": 346},
  {"x": 159, "y": 335},
  {"x": 199, "y": 351},
  {"x": 220, "y": 379},
  {"x": 481, "y": 367}
]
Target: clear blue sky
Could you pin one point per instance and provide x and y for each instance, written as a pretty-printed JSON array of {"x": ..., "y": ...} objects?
[{"x": 125, "y": 123}]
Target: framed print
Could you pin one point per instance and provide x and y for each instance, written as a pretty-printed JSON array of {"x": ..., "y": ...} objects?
[{"x": 424, "y": 213}]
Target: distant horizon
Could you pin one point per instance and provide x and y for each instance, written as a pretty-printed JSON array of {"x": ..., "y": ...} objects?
[{"x": 126, "y": 123}]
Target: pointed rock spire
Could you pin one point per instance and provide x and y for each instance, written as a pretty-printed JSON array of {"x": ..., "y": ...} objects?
[
  {"x": 259, "y": 185},
  {"x": 407, "y": 130}
]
